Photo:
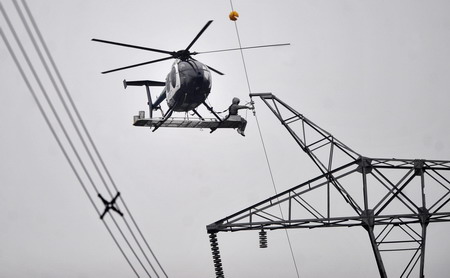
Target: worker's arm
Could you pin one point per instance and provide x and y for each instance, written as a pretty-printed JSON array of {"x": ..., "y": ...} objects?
[{"x": 244, "y": 107}]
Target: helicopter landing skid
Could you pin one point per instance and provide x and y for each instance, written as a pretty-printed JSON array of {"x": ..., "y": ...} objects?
[
  {"x": 215, "y": 114},
  {"x": 163, "y": 119}
]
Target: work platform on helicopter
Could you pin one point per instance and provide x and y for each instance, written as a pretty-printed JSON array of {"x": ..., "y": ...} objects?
[{"x": 234, "y": 121}]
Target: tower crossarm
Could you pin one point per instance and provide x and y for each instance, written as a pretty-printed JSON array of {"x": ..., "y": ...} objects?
[
  {"x": 321, "y": 146},
  {"x": 307, "y": 205},
  {"x": 409, "y": 195},
  {"x": 266, "y": 213}
]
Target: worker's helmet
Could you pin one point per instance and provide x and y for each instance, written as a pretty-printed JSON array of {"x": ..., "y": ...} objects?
[{"x": 236, "y": 100}]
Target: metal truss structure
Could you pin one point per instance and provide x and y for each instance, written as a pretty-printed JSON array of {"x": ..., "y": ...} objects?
[{"x": 394, "y": 200}]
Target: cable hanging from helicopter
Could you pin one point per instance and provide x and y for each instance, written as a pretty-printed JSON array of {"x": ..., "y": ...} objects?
[{"x": 186, "y": 87}]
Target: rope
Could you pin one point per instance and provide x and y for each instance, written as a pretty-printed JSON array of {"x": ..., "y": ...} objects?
[{"x": 262, "y": 141}]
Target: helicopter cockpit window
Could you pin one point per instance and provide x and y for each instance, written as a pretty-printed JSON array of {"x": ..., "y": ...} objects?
[{"x": 173, "y": 77}]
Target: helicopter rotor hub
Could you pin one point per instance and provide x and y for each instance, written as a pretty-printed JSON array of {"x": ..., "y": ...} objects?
[{"x": 182, "y": 55}]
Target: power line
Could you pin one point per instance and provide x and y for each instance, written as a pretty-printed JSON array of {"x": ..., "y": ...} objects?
[
  {"x": 242, "y": 51},
  {"x": 78, "y": 133},
  {"x": 90, "y": 140},
  {"x": 76, "y": 128},
  {"x": 262, "y": 140},
  {"x": 44, "y": 114},
  {"x": 276, "y": 193}
]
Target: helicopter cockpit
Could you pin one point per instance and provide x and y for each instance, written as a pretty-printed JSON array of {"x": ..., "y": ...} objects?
[{"x": 187, "y": 85}]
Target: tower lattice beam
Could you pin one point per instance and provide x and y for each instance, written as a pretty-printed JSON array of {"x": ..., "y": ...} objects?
[{"x": 386, "y": 197}]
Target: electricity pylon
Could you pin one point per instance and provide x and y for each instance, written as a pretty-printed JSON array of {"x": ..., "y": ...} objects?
[{"x": 394, "y": 200}]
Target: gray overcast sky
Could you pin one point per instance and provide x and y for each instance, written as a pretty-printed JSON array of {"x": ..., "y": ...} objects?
[{"x": 373, "y": 73}]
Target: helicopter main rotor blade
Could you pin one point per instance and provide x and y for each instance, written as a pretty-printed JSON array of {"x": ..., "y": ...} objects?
[
  {"x": 198, "y": 35},
  {"x": 211, "y": 68},
  {"x": 137, "y": 65},
  {"x": 135, "y": 46},
  {"x": 214, "y": 70},
  {"x": 241, "y": 48}
]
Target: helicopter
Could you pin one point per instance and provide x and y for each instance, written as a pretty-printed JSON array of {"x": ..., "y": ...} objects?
[{"x": 187, "y": 86}]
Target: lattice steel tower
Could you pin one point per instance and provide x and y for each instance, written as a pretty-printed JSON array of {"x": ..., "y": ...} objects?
[{"x": 386, "y": 197}]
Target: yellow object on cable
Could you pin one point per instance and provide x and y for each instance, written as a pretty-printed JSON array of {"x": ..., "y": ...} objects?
[{"x": 233, "y": 15}]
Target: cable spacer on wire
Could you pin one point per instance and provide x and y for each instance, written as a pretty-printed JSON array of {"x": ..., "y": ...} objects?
[{"x": 110, "y": 205}]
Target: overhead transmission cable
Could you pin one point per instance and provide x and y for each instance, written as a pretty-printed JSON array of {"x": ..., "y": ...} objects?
[
  {"x": 262, "y": 141},
  {"x": 71, "y": 118},
  {"x": 78, "y": 132},
  {"x": 92, "y": 143},
  {"x": 276, "y": 193},
  {"x": 47, "y": 120},
  {"x": 242, "y": 51},
  {"x": 88, "y": 136},
  {"x": 75, "y": 126}
]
